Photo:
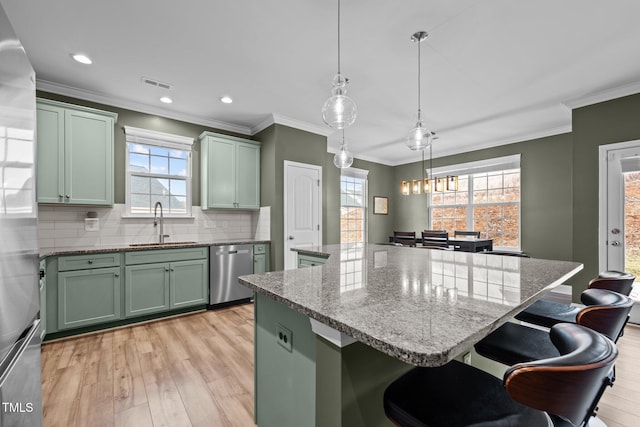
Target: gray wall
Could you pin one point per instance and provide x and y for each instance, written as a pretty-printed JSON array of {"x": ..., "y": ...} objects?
[
  {"x": 380, "y": 183},
  {"x": 559, "y": 218},
  {"x": 599, "y": 124},
  {"x": 280, "y": 143},
  {"x": 546, "y": 206}
]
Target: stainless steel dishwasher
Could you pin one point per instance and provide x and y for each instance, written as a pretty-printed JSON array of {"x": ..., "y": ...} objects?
[{"x": 227, "y": 263}]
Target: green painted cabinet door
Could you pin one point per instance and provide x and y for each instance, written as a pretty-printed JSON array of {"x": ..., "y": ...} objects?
[
  {"x": 189, "y": 283},
  {"x": 248, "y": 181},
  {"x": 260, "y": 264},
  {"x": 146, "y": 289},
  {"x": 230, "y": 172},
  {"x": 221, "y": 174},
  {"x": 261, "y": 258},
  {"x": 88, "y": 173},
  {"x": 50, "y": 153},
  {"x": 88, "y": 297},
  {"x": 75, "y": 154}
]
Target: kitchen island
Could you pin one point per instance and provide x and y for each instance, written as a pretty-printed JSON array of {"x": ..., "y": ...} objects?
[{"x": 377, "y": 311}]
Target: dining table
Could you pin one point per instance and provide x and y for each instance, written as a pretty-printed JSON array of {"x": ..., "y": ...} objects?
[
  {"x": 330, "y": 338},
  {"x": 460, "y": 243}
]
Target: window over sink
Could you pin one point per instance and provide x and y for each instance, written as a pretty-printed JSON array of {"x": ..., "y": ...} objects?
[{"x": 158, "y": 169}]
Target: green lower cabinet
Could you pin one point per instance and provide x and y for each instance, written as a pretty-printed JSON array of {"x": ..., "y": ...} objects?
[
  {"x": 153, "y": 288},
  {"x": 189, "y": 282},
  {"x": 146, "y": 289},
  {"x": 261, "y": 258},
  {"x": 88, "y": 297}
]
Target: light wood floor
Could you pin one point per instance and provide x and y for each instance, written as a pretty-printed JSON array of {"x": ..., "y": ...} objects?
[
  {"x": 197, "y": 370},
  {"x": 194, "y": 370}
]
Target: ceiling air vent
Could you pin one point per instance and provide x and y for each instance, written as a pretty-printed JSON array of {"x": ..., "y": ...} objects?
[{"x": 156, "y": 83}]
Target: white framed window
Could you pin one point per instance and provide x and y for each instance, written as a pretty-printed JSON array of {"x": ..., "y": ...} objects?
[
  {"x": 487, "y": 200},
  {"x": 158, "y": 169},
  {"x": 353, "y": 205}
]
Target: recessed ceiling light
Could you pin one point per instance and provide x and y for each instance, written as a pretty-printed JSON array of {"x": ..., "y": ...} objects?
[
  {"x": 83, "y": 59},
  {"x": 166, "y": 100},
  {"x": 226, "y": 100}
]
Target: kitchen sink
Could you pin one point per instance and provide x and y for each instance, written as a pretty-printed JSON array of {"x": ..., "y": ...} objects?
[{"x": 161, "y": 244}]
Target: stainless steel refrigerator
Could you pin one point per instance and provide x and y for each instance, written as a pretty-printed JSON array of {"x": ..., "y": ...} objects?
[{"x": 20, "y": 377}]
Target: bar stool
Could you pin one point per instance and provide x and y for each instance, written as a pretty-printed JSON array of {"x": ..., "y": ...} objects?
[
  {"x": 558, "y": 389},
  {"x": 607, "y": 312},
  {"x": 548, "y": 313}
]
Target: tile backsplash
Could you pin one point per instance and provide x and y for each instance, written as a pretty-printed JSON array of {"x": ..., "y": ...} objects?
[{"x": 64, "y": 227}]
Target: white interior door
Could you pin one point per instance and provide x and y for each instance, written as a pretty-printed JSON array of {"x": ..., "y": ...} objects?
[{"x": 302, "y": 209}]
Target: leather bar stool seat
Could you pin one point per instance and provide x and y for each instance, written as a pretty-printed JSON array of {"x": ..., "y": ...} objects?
[
  {"x": 548, "y": 313},
  {"x": 557, "y": 390},
  {"x": 606, "y": 312}
]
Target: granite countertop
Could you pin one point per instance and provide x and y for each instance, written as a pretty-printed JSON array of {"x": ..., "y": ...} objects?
[
  {"x": 143, "y": 247},
  {"x": 421, "y": 306}
]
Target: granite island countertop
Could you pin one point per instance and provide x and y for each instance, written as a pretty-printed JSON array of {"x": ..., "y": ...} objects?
[
  {"x": 79, "y": 250},
  {"x": 421, "y": 306}
]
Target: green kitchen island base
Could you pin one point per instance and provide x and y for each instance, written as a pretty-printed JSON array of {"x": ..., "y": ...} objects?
[{"x": 315, "y": 383}]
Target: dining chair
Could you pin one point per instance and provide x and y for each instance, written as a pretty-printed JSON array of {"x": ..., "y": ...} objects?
[
  {"x": 406, "y": 238},
  {"x": 466, "y": 233},
  {"x": 559, "y": 389},
  {"x": 435, "y": 238}
]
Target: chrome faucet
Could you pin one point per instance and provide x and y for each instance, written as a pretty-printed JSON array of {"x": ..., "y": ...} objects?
[{"x": 161, "y": 236}]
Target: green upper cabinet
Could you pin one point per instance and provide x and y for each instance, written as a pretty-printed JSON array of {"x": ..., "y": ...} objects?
[
  {"x": 230, "y": 172},
  {"x": 75, "y": 154}
]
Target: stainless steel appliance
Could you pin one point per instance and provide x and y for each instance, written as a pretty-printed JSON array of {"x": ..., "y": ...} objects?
[
  {"x": 227, "y": 263},
  {"x": 20, "y": 385}
]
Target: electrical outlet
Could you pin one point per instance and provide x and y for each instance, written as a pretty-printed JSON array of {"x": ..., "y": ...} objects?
[{"x": 284, "y": 337}]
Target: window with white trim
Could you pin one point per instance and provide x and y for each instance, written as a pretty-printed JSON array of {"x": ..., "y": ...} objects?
[
  {"x": 158, "y": 169},
  {"x": 353, "y": 205},
  {"x": 487, "y": 200}
]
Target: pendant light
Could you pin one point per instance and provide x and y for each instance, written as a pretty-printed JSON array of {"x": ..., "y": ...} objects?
[
  {"x": 420, "y": 137},
  {"x": 343, "y": 159},
  {"x": 339, "y": 111}
]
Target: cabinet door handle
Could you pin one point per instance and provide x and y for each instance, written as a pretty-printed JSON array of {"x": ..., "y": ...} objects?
[
  {"x": 90, "y": 261},
  {"x": 166, "y": 269},
  {"x": 67, "y": 196},
  {"x": 59, "y": 196},
  {"x": 117, "y": 275},
  {"x": 173, "y": 269}
]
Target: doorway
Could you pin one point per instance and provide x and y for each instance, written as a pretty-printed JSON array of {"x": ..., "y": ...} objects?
[
  {"x": 302, "y": 209},
  {"x": 619, "y": 230}
]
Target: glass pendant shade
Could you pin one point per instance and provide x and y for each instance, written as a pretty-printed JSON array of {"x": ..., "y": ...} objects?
[
  {"x": 343, "y": 159},
  {"x": 404, "y": 188},
  {"x": 419, "y": 138},
  {"x": 339, "y": 111}
]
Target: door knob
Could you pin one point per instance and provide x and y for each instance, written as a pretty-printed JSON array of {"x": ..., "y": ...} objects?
[
  {"x": 615, "y": 243},
  {"x": 290, "y": 237},
  {"x": 615, "y": 231}
]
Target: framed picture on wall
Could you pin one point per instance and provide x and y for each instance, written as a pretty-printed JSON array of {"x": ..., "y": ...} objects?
[{"x": 380, "y": 205}]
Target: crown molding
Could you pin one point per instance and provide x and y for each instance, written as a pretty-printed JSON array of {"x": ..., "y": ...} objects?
[
  {"x": 100, "y": 98},
  {"x": 292, "y": 123},
  {"x": 603, "y": 95}
]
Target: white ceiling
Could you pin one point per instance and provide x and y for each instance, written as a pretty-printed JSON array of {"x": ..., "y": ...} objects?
[{"x": 493, "y": 71}]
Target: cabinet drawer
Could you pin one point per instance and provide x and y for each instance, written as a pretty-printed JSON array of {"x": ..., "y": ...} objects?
[
  {"x": 84, "y": 262},
  {"x": 165, "y": 255},
  {"x": 259, "y": 249}
]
